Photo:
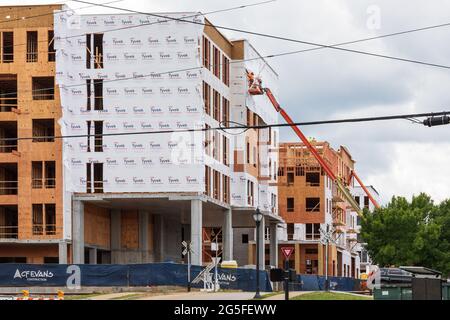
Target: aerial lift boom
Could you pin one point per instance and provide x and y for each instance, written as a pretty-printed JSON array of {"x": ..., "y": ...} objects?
[{"x": 256, "y": 88}]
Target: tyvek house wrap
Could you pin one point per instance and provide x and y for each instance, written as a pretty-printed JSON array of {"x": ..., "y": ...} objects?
[{"x": 151, "y": 81}]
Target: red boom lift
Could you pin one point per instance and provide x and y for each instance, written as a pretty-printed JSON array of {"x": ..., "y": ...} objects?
[{"x": 256, "y": 88}]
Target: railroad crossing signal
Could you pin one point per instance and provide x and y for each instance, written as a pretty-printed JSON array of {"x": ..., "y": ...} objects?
[
  {"x": 186, "y": 247},
  {"x": 287, "y": 251}
]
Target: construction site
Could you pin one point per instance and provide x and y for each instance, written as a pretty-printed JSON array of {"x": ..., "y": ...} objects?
[{"x": 133, "y": 159}]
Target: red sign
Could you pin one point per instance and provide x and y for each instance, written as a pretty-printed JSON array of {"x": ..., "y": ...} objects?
[{"x": 287, "y": 251}]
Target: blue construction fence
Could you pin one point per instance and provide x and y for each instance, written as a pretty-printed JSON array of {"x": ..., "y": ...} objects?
[
  {"x": 307, "y": 282},
  {"x": 129, "y": 275},
  {"x": 152, "y": 274}
]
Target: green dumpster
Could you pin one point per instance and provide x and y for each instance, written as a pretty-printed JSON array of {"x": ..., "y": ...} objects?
[
  {"x": 406, "y": 293},
  {"x": 446, "y": 291},
  {"x": 387, "y": 293}
]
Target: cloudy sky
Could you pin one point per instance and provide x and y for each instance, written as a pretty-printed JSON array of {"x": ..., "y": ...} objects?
[{"x": 397, "y": 157}]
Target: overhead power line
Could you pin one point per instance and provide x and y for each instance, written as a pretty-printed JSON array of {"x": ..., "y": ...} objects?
[
  {"x": 223, "y": 126},
  {"x": 275, "y": 37}
]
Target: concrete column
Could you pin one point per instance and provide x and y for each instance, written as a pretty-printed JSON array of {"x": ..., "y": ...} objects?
[
  {"x": 196, "y": 232},
  {"x": 159, "y": 238},
  {"x": 143, "y": 235},
  {"x": 78, "y": 232},
  {"x": 227, "y": 235},
  {"x": 62, "y": 248},
  {"x": 116, "y": 235},
  {"x": 273, "y": 245},
  {"x": 92, "y": 255},
  {"x": 261, "y": 241}
]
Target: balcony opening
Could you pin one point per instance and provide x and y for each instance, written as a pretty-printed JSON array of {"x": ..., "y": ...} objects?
[
  {"x": 43, "y": 88},
  {"x": 8, "y": 130},
  {"x": 43, "y": 130},
  {"x": 313, "y": 179},
  {"x": 8, "y": 92},
  {"x": 44, "y": 219},
  {"x": 7, "y": 47},
  {"x": 8, "y": 222},
  {"x": 312, "y": 204},
  {"x": 43, "y": 174},
  {"x": 8, "y": 178},
  {"x": 290, "y": 231},
  {"x": 290, "y": 204},
  {"x": 51, "y": 45},
  {"x": 94, "y": 175},
  {"x": 32, "y": 46},
  {"x": 94, "y": 50}
]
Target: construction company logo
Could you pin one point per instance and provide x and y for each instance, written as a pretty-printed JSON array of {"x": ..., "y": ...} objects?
[
  {"x": 165, "y": 56},
  {"x": 147, "y": 91},
  {"x": 156, "y": 110},
  {"x": 174, "y": 110},
  {"x": 76, "y": 92},
  {"x": 182, "y": 125},
  {"x": 31, "y": 275},
  {"x": 110, "y": 126},
  {"x": 127, "y": 126},
  {"x": 111, "y": 162},
  {"x": 74, "y": 162},
  {"x": 129, "y": 162},
  {"x": 191, "y": 180},
  {"x": 164, "y": 125},
  {"x": 146, "y": 126},
  {"x": 183, "y": 56},
  {"x": 117, "y": 42},
  {"x": 162, "y": 21},
  {"x": 120, "y": 110},
  {"x": 112, "y": 91},
  {"x": 135, "y": 42},
  {"x": 183, "y": 90},
  {"x": 174, "y": 76},
  {"x": 170, "y": 40},
  {"x": 145, "y": 161},
  {"x": 129, "y": 56},
  {"x": 127, "y": 21},
  {"x": 190, "y": 145},
  {"x": 120, "y": 75},
  {"x": 147, "y": 56},
  {"x": 189, "y": 40},
  {"x": 81, "y": 42},
  {"x": 139, "y": 75},
  {"x": 120, "y": 146},
  {"x": 91, "y": 22},
  {"x": 137, "y": 146},
  {"x": 165, "y": 91},
  {"x": 165, "y": 161},
  {"x": 76, "y": 127},
  {"x": 83, "y": 76},
  {"x": 156, "y": 180},
  {"x": 236, "y": 197},
  {"x": 112, "y": 57},
  {"x": 138, "y": 180},
  {"x": 138, "y": 110},
  {"x": 225, "y": 279},
  {"x": 82, "y": 181},
  {"x": 120, "y": 180},
  {"x": 172, "y": 144},
  {"x": 192, "y": 109},
  {"x": 173, "y": 180},
  {"x": 76, "y": 58},
  {"x": 109, "y": 21},
  {"x": 82, "y": 146},
  {"x": 129, "y": 91},
  {"x": 156, "y": 76},
  {"x": 154, "y": 42},
  {"x": 102, "y": 76},
  {"x": 192, "y": 74},
  {"x": 144, "y": 21},
  {"x": 154, "y": 145}
]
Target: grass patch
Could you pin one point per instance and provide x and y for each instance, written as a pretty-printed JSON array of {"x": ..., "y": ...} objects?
[
  {"x": 131, "y": 296},
  {"x": 267, "y": 295},
  {"x": 330, "y": 296}
]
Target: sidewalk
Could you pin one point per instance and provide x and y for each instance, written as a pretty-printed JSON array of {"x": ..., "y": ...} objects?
[{"x": 205, "y": 296}]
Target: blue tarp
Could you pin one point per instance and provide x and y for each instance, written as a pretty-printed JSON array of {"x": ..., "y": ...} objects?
[
  {"x": 308, "y": 282},
  {"x": 152, "y": 274}
]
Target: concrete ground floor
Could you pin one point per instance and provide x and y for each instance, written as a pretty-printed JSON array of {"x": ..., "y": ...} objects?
[{"x": 145, "y": 228}]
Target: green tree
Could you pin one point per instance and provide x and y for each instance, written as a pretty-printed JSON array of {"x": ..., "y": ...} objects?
[{"x": 409, "y": 233}]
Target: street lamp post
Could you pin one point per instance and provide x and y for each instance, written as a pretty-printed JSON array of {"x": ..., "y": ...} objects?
[{"x": 257, "y": 216}]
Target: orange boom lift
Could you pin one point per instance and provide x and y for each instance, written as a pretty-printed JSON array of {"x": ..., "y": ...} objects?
[{"x": 255, "y": 88}]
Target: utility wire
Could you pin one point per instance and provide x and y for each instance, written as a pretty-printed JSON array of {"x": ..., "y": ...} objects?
[
  {"x": 237, "y": 126},
  {"x": 275, "y": 37},
  {"x": 140, "y": 25}
]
